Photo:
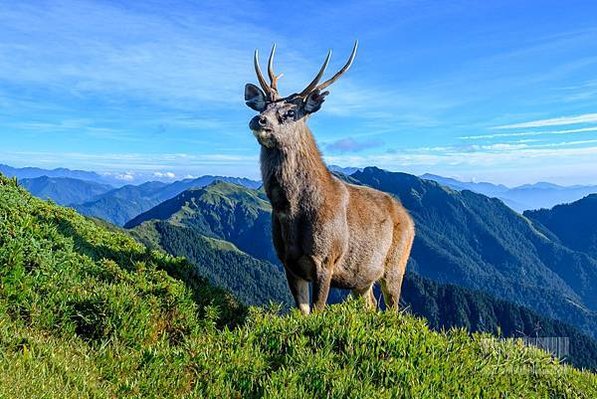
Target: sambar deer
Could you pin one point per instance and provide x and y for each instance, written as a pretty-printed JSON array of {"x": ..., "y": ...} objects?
[{"x": 325, "y": 231}]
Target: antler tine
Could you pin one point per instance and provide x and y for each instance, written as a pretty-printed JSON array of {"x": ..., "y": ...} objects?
[
  {"x": 262, "y": 82},
  {"x": 270, "y": 69},
  {"x": 341, "y": 71},
  {"x": 314, "y": 82}
]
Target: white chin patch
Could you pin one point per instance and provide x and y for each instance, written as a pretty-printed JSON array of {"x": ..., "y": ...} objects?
[{"x": 263, "y": 138}]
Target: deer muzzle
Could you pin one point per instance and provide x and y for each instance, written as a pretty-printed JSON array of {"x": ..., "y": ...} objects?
[
  {"x": 262, "y": 131},
  {"x": 259, "y": 123}
]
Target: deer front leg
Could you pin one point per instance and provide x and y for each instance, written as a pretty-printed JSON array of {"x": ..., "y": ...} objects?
[
  {"x": 300, "y": 291},
  {"x": 321, "y": 286}
]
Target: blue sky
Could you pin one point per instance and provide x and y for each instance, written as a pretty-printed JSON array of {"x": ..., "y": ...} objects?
[{"x": 501, "y": 91}]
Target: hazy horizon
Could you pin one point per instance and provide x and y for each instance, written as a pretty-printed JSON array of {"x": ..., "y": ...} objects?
[{"x": 136, "y": 178}]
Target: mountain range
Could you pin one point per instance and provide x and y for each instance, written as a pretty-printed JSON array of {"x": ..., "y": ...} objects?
[
  {"x": 115, "y": 205},
  {"x": 463, "y": 239},
  {"x": 468, "y": 239},
  {"x": 525, "y": 197},
  {"x": 221, "y": 210},
  {"x": 120, "y": 205},
  {"x": 64, "y": 190},
  {"x": 31, "y": 172},
  {"x": 113, "y": 179}
]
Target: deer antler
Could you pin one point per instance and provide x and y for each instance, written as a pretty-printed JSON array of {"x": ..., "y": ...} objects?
[
  {"x": 314, "y": 84},
  {"x": 270, "y": 70},
  {"x": 260, "y": 77},
  {"x": 317, "y": 78},
  {"x": 341, "y": 71},
  {"x": 270, "y": 89}
]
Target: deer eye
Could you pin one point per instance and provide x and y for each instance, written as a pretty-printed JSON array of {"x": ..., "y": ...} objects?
[{"x": 290, "y": 114}]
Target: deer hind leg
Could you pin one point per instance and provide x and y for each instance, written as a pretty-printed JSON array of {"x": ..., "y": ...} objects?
[
  {"x": 367, "y": 293},
  {"x": 300, "y": 291},
  {"x": 390, "y": 287},
  {"x": 391, "y": 282}
]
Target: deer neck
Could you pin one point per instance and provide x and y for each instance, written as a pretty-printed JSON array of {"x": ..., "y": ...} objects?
[{"x": 294, "y": 174}]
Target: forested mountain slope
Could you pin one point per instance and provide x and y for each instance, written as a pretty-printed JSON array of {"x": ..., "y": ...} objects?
[
  {"x": 119, "y": 205},
  {"x": 477, "y": 242},
  {"x": 254, "y": 281},
  {"x": 574, "y": 224}
]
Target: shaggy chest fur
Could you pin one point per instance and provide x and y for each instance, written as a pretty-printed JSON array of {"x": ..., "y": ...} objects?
[{"x": 307, "y": 205}]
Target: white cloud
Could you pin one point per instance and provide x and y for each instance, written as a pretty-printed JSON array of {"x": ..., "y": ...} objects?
[
  {"x": 127, "y": 176},
  {"x": 533, "y": 133},
  {"x": 145, "y": 55},
  {"x": 384, "y": 106},
  {"x": 187, "y": 61},
  {"x": 164, "y": 175},
  {"x": 136, "y": 162},
  {"x": 495, "y": 155},
  {"x": 561, "y": 121}
]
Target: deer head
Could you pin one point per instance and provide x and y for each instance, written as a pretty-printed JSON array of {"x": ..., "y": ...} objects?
[{"x": 279, "y": 117}]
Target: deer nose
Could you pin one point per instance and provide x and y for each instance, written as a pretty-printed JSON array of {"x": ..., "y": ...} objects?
[{"x": 259, "y": 122}]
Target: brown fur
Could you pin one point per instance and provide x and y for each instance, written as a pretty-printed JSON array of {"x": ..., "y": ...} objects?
[{"x": 325, "y": 231}]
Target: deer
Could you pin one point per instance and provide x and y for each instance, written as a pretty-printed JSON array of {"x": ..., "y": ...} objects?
[{"x": 326, "y": 232}]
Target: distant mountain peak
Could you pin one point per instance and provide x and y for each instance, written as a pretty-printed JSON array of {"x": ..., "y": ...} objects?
[
  {"x": 541, "y": 185},
  {"x": 349, "y": 170},
  {"x": 64, "y": 190},
  {"x": 219, "y": 183},
  {"x": 528, "y": 196}
]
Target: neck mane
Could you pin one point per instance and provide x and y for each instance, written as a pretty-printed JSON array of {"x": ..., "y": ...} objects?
[{"x": 294, "y": 174}]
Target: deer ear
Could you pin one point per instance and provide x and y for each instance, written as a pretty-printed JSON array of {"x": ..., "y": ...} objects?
[
  {"x": 314, "y": 101},
  {"x": 255, "y": 97}
]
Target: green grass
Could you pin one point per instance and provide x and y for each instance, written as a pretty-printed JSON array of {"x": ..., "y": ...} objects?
[{"x": 86, "y": 311}]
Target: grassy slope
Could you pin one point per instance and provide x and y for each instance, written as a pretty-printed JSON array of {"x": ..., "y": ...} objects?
[
  {"x": 88, "y": 312},
  {"x": 253, "y": 281}
]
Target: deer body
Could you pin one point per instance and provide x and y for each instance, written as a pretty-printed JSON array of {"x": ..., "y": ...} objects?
[{"x": 325, "y": 231}]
